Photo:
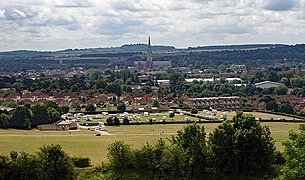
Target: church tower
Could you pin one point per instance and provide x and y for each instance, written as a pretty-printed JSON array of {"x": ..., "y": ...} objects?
[{"x": 149, "y": 61}]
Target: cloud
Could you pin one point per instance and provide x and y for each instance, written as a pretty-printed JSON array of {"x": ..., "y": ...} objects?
[
  {"x": 59, "y": 24},
  {"x": 280, "y": 5}
]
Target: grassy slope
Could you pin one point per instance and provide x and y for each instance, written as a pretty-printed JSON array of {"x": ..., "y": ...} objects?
[{"x": 85, "y": 143}]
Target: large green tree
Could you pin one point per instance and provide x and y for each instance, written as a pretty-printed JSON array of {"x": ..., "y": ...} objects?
[
  {"x": 21, "y": 119},
  {"x": 191, "y": 142},
  {"x": 40, "y": 115},
  {"x": 242, "y": 148},
  {"x": 294, "y": 154}
]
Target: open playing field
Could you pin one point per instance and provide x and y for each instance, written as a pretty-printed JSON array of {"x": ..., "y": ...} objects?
[{"x": 85, "y": 143}]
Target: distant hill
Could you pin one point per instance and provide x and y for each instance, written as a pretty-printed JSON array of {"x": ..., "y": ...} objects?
[
  {"x": 127, "y": 49},
  {"x": 237, "y": 47}
]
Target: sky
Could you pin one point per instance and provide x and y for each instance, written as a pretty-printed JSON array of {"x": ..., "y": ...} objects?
[{"x": 62, "y": 24}]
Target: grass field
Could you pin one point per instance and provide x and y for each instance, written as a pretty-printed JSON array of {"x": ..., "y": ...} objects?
[{"x": 85, "y": 143}]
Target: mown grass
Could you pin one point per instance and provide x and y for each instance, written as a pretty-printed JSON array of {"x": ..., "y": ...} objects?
[{"x": 85, "y": 143}]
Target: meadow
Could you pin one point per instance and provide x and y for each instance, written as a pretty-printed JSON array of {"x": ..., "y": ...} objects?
[{"x": 84, "y": 142}]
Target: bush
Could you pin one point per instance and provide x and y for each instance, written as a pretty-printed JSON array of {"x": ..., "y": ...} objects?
[
  {"x": 194, "y": 110},
  {"x": 109, "y": 121},
  {"x": 81, "y": 162},
  {"x": 125, "y": 120},
  {"x": 120, "y": 156},
  {"x": 116, "y": 121}
]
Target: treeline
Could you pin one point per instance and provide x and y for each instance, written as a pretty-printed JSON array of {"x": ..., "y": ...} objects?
[
  {"x": 242, "y": 149},
  {"x": 97, "y": 81},
  {"x": 27, "y": 117},
  {"x": 49, "y": 163}
]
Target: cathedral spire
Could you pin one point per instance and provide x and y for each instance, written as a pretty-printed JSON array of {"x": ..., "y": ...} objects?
[
  {"x": 149, "y": 52},
  {"x": 149, "y": 61}
]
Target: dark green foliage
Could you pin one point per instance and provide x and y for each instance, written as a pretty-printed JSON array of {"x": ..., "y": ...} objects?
[
  {"x": 286, "y": 108},
  {"x": 121, "y": 107},
  {"x": 114, "y": 88},
  {"x": 272, "y": 105},
  {"x": 194, "y": 110},
  {"x": 5, "y": 120},
  {"x": 81, "y": 162},
  {"x": 294, "y": 154},
  {"x": 109, "y": 121},
  {"x": 21, "y": 119},
  {"x": 156, "y": 103},
  {"x": 90, "y": 108},
  {"x": 53, "y": 114},
  {"x": 171, "y": 115},
  {"x": 126, "y": 120},
  {"x": 55, "y": 163},
  {"x": 40, "y": 115},
  {"x": 50, "y": 163},
  {"x": 242, "y": 148},
  {"x": 116, "y": 121},
  {"x": 273, "y": 76},
  {"x": 120, "y": 155},
  {"x": 281, "y": 90},
  {"x": 191, "y": 141}
]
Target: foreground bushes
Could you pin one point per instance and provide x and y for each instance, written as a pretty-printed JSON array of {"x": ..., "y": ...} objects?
[
  {"x": 49, "y": 163},
  {"x": 241, "y": 149}
]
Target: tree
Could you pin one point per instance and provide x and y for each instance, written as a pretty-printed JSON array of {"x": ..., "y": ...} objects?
[
  {"x": 116, "y": 121},
  {"x": 191, "y": 141},
  {"x": 55, "y": 163},
  {"x": 295, "y": 155},
  {"x": 90, "y": 108},
  {"x": 272, "y": 105},
  {"x": 40, "y": 115},
  {"x": 281, "y": 90},
  {"x": 285, "y": 81},
  {"x": 155, "y": 103},
  {"x": 114, "y": 88},
  {"x": 5, "y": 120},
  {"x": 273, "y": 76},
  {"x": 125, "y": 120},
  {"x": 21, "y": 118},
  {"x": 76, "y": 106},
  {"x": 242, "y": 148},
  {"x": 109, "y": 121},
  {"x": 286, "y": 108},
  {"x": 147, "y": 89},
  {"x": 171, "y": 115},
  {"x": 194, "y": 110},
  {"x": 53, "y": 114},
  {"x": 120, "y": 155},
  {"x": 121, "y": 107}
]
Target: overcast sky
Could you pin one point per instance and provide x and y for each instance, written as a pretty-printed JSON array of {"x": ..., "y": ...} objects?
[{"x": 61, "y": 24}]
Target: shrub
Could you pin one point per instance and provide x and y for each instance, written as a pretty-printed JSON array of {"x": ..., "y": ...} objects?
[
  {"x": 120, "y": 156},
  {"x": 81, "y": 162},
  {"x": 194, "y": 110}
]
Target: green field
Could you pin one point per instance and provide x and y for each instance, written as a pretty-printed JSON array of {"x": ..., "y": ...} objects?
[{"x": 85, "y": 143}]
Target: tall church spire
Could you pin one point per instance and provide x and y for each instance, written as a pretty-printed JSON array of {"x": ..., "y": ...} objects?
[
  {"x": 149, "y": 55},
  {"x": 149, "y": 52}
]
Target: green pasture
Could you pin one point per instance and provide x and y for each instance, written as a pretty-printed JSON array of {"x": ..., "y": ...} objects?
[{"x": 85, "y": 143}]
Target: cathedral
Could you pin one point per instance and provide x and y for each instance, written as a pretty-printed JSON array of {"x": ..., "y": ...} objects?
[{"x": 149, "y": 63}]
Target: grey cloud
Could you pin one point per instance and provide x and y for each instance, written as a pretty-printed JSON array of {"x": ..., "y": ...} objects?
[
  {"x": 73, "y": 4},
  {"x": 280, "y": 5},
  {"x": 15, "y": 13},
  {"x": 127, "y": 5},
  {"x": 117, "y": 27},
  {"x": 232, "y": 29}
]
